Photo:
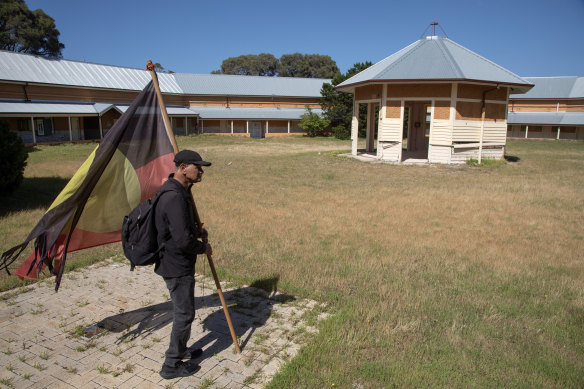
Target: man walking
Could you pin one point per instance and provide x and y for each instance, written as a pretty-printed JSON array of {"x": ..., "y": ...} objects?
[{"x": 178, "y": 234}]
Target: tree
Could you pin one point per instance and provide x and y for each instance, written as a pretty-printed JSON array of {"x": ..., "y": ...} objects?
[
  {"x": 321, "y": 66},
  {"x": 313, "y": 123},
  {"x": 250, "y": 65},
  {"x": 159, "y": 68},
  {"x": 26, "y": 31},
  {"x": 338, "y": 106},
  {"x": 292, "y": 65},
  {"x": 307, "y": 65},
  {"x": 289, "y": 65},
  {"x": 13, "y": 156}
]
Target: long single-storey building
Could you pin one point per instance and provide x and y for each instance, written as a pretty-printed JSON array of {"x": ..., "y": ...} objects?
[
  {"x": 554, "y": 109},
  {"x": 437, "y": 101},
  {"x": 445, "y": 102},
  {"x": 47, "y": 100}
]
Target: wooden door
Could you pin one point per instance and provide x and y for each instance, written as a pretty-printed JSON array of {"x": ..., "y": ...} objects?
[
  {"x": 75, "y": 129},
  {"x": 419, "y": 127},
  {"x": 255, "y": 130}
]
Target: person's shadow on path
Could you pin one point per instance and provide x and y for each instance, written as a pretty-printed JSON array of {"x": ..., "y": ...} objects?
[{"x": 249, "y": 307}]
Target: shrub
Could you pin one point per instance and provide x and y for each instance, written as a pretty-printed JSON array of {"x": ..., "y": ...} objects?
[
  {"x": 13, "y": 156},
  {"x": 313, "y": 124},
  {"x": 342, "y": 132}
]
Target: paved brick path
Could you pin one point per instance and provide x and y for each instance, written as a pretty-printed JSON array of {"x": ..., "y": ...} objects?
[{"x": 42, "y": 341}]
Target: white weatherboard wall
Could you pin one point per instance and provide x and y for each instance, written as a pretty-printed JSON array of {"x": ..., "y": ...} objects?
[
  {"x": 439, "y": 154},
  {"x": 389, "y": 142},
  {"x": 439, "y": 150},
  {"x": 462, "y": 154},
  {"x": 440, "y": 139},
  {"x": 390, "y": 132},
  {"x": 441, "y": 132},
  {"x": 494, "y": 139},
  {"x": 470, "y": 131}
]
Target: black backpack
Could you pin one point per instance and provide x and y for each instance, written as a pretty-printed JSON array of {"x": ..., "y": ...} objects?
[{"x": 139, "y": 234}]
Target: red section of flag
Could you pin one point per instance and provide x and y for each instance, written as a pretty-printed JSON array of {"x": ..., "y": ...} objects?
[
  {"x": 149, "y": 175},
  {"x": 80, "y": 239}
]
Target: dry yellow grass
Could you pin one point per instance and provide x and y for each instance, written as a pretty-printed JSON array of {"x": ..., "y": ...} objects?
[{"x": 435, "y": 275}]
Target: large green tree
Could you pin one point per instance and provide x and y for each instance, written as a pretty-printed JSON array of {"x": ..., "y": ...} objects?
[
  {"x": 250, "y": 65},
  {"x": 307, "y": 65},
  {"x": 338, "y": 106},
  {"x": 26, "y": 31},
  {"x": 288, "y": 65}
]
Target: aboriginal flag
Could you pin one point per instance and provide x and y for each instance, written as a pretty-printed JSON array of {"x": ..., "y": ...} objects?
[{"x": 130, "y": 164}]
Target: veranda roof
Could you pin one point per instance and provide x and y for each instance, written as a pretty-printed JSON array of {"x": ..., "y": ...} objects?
[
  {"x": 546, "y": 118},
  {"x": 35, "y": 108},
  {"x": 172, "y": 111},
  {"x": 435, "y": 59},
  {"x": 251, "y": 113},
  {"x": 242, "y": 113}
]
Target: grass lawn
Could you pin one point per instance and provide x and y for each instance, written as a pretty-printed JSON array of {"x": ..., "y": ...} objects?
[{"x": 434, "y": 275}]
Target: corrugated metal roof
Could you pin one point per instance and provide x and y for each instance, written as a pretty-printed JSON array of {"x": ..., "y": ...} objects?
[
  {"x": 251, "y": 113},
  {"x": 35, "y": 69},
  {"x": 547, "y": 118},
  {"x": 53, "y": 108},
  {"x": 203, "y": 112},
  {"x": 184, "y": 111},
  {"x": 103, "y": 107},
  {"x": 222, "y": 84},
  {"x": 31, "y": 68},
  {"x": 437, "y": 58},
  {"x": 179, "y": 111},
  {"x": 554, "y": 88}
]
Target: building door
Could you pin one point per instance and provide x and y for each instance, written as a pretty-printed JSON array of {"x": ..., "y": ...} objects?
[
  {"x": 91, "y": 127},
  {"x": 75, "y": 129},
  {"x": 372, "y": 126},
  {"x": 44, "y": 126},
  {"x": 255, "y": 130},
  {"x": 419, "y": 123}
]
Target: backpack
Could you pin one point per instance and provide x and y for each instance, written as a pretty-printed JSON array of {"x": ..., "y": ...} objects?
[{"x": 139, "y": 234}]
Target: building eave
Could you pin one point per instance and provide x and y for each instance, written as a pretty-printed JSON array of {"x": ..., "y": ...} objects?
[{"x": 516, "y": 87}]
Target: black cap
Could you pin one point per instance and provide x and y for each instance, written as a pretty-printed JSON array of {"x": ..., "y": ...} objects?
[{"x": 188, "y": 157}]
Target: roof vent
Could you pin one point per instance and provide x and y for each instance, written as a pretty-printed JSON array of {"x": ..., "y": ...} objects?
[{"x": 433, "y": 36}]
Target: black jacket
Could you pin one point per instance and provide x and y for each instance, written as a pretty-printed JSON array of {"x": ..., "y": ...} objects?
[{"x": 177, "y": 231}]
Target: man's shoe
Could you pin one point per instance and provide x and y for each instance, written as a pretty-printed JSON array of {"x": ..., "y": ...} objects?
[
  {"x": 195, "y": 353},
  {"x": 181, "y": 369}
]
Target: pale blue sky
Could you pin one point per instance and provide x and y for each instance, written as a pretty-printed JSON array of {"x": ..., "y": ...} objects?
[{"x": 530, "y": 38}]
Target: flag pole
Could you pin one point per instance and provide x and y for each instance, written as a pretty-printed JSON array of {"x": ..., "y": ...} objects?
[
  {"x": 217, "y": 284},
  {"x": 150, "y": 67}
]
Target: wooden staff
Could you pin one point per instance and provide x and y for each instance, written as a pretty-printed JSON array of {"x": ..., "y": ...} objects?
[
  {"x": 217, "y": 284},
  {"x": 150, "y": 67}
]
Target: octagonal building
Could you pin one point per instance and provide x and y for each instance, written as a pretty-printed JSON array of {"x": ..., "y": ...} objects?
[{"x": 437, "y": 101}]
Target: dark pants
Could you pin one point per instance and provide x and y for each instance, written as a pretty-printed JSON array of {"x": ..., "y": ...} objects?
[{"x": 182, "y": 294}]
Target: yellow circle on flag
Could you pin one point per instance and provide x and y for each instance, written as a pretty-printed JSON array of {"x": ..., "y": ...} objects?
[{"x": 115, "y": 195}]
